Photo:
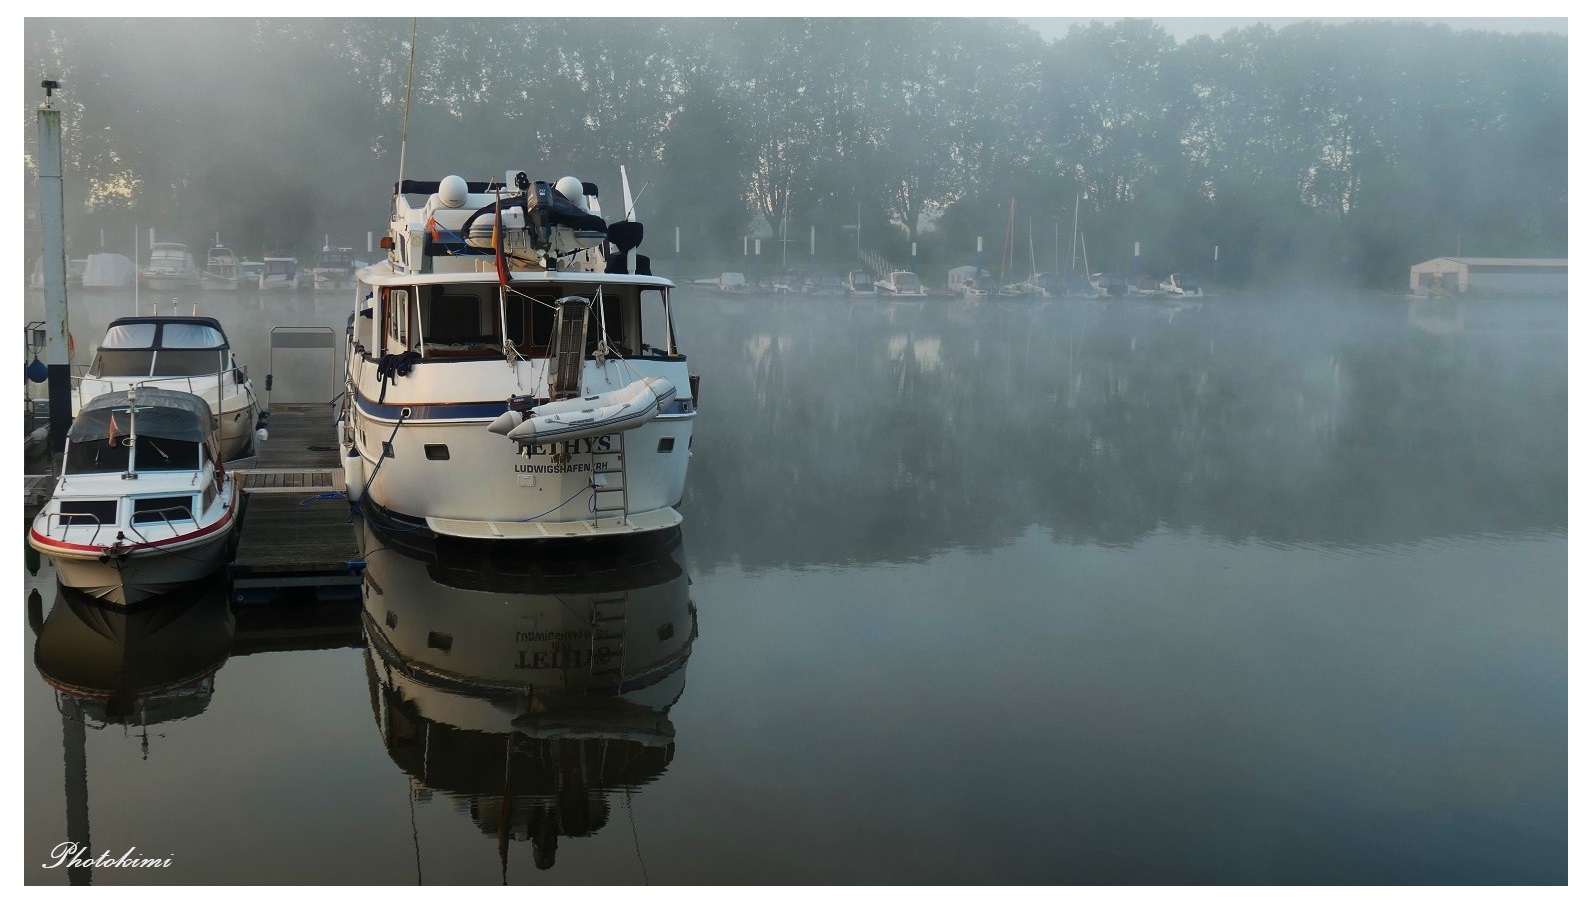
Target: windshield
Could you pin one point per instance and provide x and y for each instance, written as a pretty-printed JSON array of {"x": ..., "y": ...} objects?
[
  {"x": 112, "y": 362},
  {"x": 279, "y": 268},
  {"x": 906, "y": 282},
  {"x": 97, "y": 456}
]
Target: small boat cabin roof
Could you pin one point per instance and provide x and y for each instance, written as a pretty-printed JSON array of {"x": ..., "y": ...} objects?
[{"x": 145, "y": 333}]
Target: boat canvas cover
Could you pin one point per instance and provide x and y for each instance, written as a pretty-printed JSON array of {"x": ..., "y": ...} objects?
[
  {"x": 174, "y": 332},
  {"x": 161, "y": 414}
]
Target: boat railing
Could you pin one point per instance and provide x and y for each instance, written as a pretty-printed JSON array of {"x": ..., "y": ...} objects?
[
  {"x": 156, "y": 382},
  {"x": 55, "y": 519},
  {"x": 164, "y": 517}
]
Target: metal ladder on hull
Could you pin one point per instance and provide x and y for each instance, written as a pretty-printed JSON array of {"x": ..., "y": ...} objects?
[
  {"x": 611, "y": 480},
  {"x": 608, "y": 630}
]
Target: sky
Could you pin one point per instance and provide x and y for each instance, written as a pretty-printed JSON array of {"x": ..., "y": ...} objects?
[{"x": 1184, "y": 28}]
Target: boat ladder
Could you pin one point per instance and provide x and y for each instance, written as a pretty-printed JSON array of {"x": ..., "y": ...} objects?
[
  {"x": 611, "y": 480},
  {"x": 608, "y": 628}
]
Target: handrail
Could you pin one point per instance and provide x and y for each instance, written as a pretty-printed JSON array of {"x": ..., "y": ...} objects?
[
  {"x": 50, "y": 523},
  {"x": 132, "y": 523}
]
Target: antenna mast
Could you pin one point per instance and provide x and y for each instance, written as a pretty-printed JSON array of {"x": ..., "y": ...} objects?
[{"x": 402, "y": 157}]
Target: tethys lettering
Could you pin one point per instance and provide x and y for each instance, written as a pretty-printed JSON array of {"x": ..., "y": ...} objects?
[
  {"x": 575, "y": 446},
  {"x": 71, "y": 855}
]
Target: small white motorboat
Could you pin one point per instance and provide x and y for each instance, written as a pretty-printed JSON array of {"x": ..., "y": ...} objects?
[
  {"x": 900, "y": 284},
  {"x": 222, "y": 270},
  {"x": 143, "y": 503}
]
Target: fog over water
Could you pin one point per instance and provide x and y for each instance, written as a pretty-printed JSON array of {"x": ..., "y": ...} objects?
[{"x": 1268, "y": 589}]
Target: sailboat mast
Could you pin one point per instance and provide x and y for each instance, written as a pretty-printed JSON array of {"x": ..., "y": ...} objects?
[
  {"x": 1007, "y": 241},
  {"x": 1073, "y": 246},
  {"x": 1031, "y": 237}
]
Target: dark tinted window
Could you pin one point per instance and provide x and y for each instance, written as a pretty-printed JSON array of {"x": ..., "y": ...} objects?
[
  {"x": 122, "y": 363},
  {"x": 166, "y": 454}
]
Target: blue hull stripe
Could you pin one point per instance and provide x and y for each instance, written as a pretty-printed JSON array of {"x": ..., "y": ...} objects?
[{"x": 468, "y": 410}]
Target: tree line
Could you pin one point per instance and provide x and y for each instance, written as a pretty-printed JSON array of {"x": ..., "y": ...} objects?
[{"x": 1337, "y": 153}]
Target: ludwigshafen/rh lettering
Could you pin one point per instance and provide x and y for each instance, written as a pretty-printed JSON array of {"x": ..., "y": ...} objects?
[{"x": 66, "y": 853}]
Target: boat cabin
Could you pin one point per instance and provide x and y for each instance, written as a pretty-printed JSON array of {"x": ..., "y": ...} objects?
[
  {"x": 162, "y": 347},
  {"x": 478, "y": 320},
  {"x": 170, "y": 257},
  {"x": 170, "y": 430},
  {"x": 339, "y": 259}
]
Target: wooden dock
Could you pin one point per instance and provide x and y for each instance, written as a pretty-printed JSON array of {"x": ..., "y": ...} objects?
[
  {"x": 295, "y": 542},
  {"x": 297, "y": 535},
  {"x": 302, "y": 437}
]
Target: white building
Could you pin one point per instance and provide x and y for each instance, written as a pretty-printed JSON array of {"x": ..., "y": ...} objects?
[{"x": 1490, "y": 276}]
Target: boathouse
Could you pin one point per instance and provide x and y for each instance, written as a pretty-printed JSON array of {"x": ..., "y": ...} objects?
[{"x": 1490, "y": 276}]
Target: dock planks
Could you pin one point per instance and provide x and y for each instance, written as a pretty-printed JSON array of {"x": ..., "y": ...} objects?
[
  {"x": 294, "y": 540},
  {"x": 302, "y": 436}
]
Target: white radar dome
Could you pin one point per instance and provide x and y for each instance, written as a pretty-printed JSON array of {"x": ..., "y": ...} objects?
[
  {"x": 454, "y": 191},
  {"x": 572, "y": 189}
]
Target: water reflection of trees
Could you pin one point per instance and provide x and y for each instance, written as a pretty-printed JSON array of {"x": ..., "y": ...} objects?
[{"x": 835, "y": 431}]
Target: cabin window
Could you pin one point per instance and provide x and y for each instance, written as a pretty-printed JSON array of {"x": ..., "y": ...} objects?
[
  {"x": 530, "y": 322},
  {"x": 90, "y": 513},
  {"x": 394, "y": 314},
  {"x": 611, "y": 312},
  {"x": 129, "y": 335},
  {"x": 97, "y": 456},
  {"x": 190, "y": 335},
  {"x": 188, "y": 362},
  {"x": 653, "y": 321},
  {"x": 159, "y": 453},
  {"x": 161, "y": 508},
  {"x": 460, "y": 322},
  {"x": 209, "y": 496}
]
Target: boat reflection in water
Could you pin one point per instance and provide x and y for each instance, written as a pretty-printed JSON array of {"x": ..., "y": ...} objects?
[
  {"x": 525, "y": 685},
  {"x": 136, "y": 667}
]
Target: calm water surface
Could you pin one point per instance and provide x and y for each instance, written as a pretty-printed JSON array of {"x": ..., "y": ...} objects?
[{"x": 1025, "y": 592}]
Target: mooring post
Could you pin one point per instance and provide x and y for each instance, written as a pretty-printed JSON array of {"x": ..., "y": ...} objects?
[{"x": 57, "y": 355}]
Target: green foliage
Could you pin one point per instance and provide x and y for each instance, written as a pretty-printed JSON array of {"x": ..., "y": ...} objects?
[{"x": 1325, "y": 152}]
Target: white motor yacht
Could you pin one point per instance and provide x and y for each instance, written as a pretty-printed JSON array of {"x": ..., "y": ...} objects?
[
  {"x": 900, "y": 284},
  {"x": 170, "y": 268},
  {"x": 513, "y": 372},
  {"x": 183, "y": 354}
]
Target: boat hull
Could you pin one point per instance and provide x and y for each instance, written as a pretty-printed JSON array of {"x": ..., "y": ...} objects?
[
  {"x": 139, "y": 575},
  {"x": 486, "y": 479}
]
